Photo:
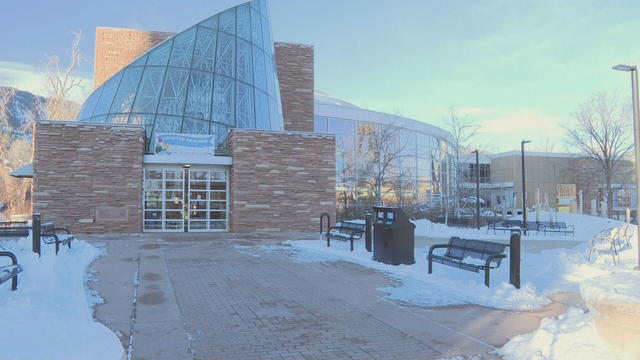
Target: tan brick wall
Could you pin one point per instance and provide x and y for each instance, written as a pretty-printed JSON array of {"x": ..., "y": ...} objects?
[
  {"x": 79, "y": 167},
  {"x": 295, "y": 75},
  {"x": 281, "y": 181},
  {"x": 117, "y": 48}
]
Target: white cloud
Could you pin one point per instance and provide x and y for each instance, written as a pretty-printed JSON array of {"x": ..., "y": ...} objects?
[{"x": 29, "y": 78}]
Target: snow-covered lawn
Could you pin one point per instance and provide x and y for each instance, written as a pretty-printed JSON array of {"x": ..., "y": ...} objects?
[
  {"x": 544, "y": 273},
  {"x": 50, "y": 316}
]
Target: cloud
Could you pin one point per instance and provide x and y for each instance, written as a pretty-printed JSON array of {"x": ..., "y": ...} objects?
[{"x": 32, "y": 79}]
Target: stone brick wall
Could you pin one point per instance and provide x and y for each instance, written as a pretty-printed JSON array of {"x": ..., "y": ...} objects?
[
  {"x": 281, "y": 181},
  {"x": 81, "y": 169},
  {"x": 117, "y": 48},
  {"x": 295, "y": 75}
]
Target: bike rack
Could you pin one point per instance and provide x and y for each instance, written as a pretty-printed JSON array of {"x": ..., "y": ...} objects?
[{"x": 322, "y": 216}]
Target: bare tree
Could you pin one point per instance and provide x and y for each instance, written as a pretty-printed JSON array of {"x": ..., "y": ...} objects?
[
  {"x": 6, "y": 96},
  {"x": 381, "y": 149},
  {"x": 462, "y": 129},
  {"x": 603, "y": 133},
  {"x": 62, "y": 82}
]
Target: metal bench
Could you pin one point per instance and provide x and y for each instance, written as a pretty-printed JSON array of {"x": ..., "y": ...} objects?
[
  {"x": 49, "y": 235},
  {"x": 461, "y": 254},
  {"x": 347, "y": 230},
  {"x": 14, "y": 229},
  {"x": 558, "y": 227},
  {"x": 505, "y": 225},
  {"x": 10, "y": 271}
]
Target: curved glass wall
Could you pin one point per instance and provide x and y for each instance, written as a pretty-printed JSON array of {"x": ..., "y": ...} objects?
[
  {"x": 216, "y": 75},
  {"x": 394, "y": 165}
]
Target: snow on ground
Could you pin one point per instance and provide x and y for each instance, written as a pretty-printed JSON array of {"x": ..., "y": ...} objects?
[
  {"x": 585, "y": 227},
  {"x": 570, "y": 336},
  {"x": 50, "y": 316},
  {"x": 544, "y": 272}
]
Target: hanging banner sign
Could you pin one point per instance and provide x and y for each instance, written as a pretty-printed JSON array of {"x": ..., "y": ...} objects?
[{"x": 185, "y": 144}]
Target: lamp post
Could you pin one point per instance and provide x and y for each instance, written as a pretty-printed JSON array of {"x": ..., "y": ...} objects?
[
  {"x": 524, "y": 189},
  {"x": 477, "y": 189},
  {"x": 636, "y": 127}
]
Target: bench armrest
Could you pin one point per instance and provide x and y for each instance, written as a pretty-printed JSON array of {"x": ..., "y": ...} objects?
[
  {"x": 14, "y": 259},
  {"x": 487, "y": 264},
  {"x": 64, "y": 228},
  {"x": 437, "y": 246}
]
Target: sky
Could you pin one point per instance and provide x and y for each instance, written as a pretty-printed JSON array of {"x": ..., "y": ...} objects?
[{"x": 520, "y": 69}]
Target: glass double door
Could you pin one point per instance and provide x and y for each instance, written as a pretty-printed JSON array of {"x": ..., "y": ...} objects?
[{"x": 178, "y": 200}]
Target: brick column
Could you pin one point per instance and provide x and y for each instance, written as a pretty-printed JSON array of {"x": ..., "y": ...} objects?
[{"x": 295, "y": 75}]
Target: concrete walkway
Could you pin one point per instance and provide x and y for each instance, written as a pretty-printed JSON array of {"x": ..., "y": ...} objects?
[{"x": 220, "y": 296}]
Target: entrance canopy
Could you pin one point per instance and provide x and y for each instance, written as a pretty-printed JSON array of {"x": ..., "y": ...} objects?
[{"x": 24, "y": 172}]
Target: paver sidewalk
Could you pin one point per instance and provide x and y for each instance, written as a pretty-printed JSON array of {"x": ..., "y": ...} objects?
[{"x": 222, "y": 297}]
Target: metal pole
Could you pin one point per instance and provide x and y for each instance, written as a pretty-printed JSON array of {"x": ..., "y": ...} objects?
[
  {"x": 524, "y": 192},
  {"x": 367, "y": 232},
  {"x": 35, "y": 233},
  {"x": 636, "y": 135},
  {"x": 477, "y": 189},
  {"x": 515, "y": 244}
]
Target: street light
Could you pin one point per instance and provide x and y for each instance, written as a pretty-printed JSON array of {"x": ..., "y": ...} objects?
[
  {"x": 636, "y": 127},
  {"x": 477, "y": 189},
  {"x": 524, "y": 189}
]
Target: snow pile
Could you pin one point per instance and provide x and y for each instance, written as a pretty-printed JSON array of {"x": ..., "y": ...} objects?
[
  {"x": 570, "y": 336},
  {"x": 446, "y": 286},
  {"x": 586, "y": 227},
  {"x": 50, "y": 316},
  {"x": 573, "y": 335},
  {"x": 621, "y": 286}
]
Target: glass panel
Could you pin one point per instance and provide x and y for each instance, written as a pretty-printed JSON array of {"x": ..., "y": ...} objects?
[
  {"x": 160, "y": 55},
  {"x": 205, "y": 50},
  {"x": 217, "y": 225},
  {"x": 244, "y": 106},
  {"x": 153, "y": 184},
  {"x": 218, "y": 196},
  {"x": 99, "y": 119},
  {"x": 174, "y": 203},
  {"x": 183, "y": 48},
  {"x": 271, "y": 77},
  {"x": 262, "y": 110},
  {"x": 218, "y": 205},
  {"x": 255, "y": 4},
  {"x": 89, "y": 105},
  {"x": 219, "y": 186},
  {"x": 140, "y": 61},
  {"x": 198, "y": 195},
  {"x": 218, "y": 215},
  {"x": 149, "y": 91},
  {"x": 320, "y": 124},
  {"x": 274, "y": 114},
  {"x": 153, "y": 174},
  {"x": 244, "y": 22},
  {"x": 218, "y": 176},
  {"x": 266, "y": 36},
  {"x": 153, "y": 215},
  {"x": 199, "y": 175},
  {"x": 165, "y": 124},
  {"x": 118, "y": 119},
  {"x": 173, "y": 225},
  {"x": 174, "y": 174},
  {"x": 221, "y": 133},
  {"x": 127, "y": 91},
  {"x": 211, "y": 22},
  {"x": 259, "y": 76},
  {"x": 200, "y": 185},
  {"x": 152, "y": 203},
  {"x": 153, "y": 225},
  {"x": 108, "y": 92},
  {"x": 191, "y": 126},
  {"x": 225, "y": 63},
  {"x": 243, "y": 62},
  {"x": 228, "y": 21},
  {"x": 199, "y": 99},
  {"x": 263, "y": 8},
  {"x": 198, "y": 225},
  {"x": 256, "y": 28},
  {"x": 223, "y": 101},
  {"x": 174, "y": 92}
]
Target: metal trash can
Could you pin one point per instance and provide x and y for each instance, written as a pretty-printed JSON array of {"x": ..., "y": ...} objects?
[{"x": 393, "y": 236}]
